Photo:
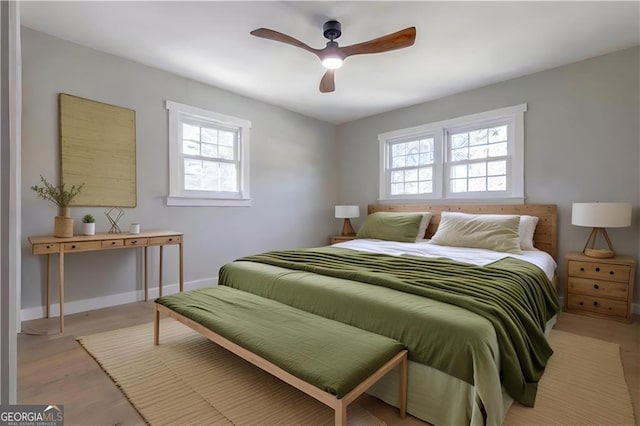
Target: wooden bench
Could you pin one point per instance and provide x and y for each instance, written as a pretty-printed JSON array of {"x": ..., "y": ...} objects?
[{"x": 328, "y": 360}]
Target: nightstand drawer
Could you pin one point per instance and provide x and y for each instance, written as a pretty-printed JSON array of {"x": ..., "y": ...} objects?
[
  {"x": 83, "y": 246},
  {"x": 45, "y": 248},
  {"x": 112, "y": 243},
  {"x": 601, "y": 271},
  {"x": 597, "y": 305},
  {"x": 599, "y": 288}
]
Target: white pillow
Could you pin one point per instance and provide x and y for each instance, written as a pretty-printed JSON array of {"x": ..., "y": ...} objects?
[
  {"x": 426, "y": 218},
  {"x": 487, "y": 231},
  {"x": 526, "y": 230}
]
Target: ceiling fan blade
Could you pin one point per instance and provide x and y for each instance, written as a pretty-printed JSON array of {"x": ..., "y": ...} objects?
[
  {"x": 327, "y": 84},
  {"x": 397, "y": 40},
  {"x": 282, "y": 38}
]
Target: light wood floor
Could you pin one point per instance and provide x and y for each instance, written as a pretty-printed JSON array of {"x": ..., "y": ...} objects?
[{"x": 55, "y": 369}]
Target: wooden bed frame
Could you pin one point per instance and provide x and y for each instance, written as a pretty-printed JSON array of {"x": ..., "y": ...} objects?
[{"x": 545, "y": 237}]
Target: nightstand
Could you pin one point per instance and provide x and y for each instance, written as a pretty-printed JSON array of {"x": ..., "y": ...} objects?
[
  {"x": 599, "y": 287},
  {"x": 341, "y": 238}
]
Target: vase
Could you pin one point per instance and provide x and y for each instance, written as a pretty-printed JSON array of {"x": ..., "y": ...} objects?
[
  {"x": 89, "y": 228},
  {"x": 63, "y": 223}
]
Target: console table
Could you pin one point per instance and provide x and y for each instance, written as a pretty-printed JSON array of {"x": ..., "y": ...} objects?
[{"x": 103, "y": 241}]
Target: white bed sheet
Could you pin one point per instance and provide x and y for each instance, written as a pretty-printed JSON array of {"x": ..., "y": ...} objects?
[{"x": 480, "y": 257}]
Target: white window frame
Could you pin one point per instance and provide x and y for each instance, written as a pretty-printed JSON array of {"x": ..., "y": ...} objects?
[
  {"x": 513, "y": 116},
  {"x": 178, "y": 196}
]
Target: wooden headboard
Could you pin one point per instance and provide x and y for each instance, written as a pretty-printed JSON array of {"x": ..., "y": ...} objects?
[{"x": 545, "y": 237}]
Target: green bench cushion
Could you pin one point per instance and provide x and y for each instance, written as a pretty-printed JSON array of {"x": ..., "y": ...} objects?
[{"x": 330, "y": 355}]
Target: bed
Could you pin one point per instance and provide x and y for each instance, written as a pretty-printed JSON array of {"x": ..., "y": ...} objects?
[{"x": 474, "y": 326}]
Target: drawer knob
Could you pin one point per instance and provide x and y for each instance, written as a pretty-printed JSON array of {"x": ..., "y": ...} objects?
[
  {"x": 595, "y": 303},
  {"x": 596, "y": 286},
  {"x": 611, "y": 272},
  {"x": 134, "y": 242},
  {"x": 48, "y": 246},
  {"x": 73, "y": 246},
  {"x": 581, "y": 269},
  {"x": 581, "y": 303},
  {"x": 113, "y": 243},
  {"x": 597, "y": 269},
  {"x": 170, "y": 239}
]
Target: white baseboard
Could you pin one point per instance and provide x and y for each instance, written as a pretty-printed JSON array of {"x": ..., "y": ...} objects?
[
  {"x": 137, "y": 296},
  {"x": 111, "y": 300}
]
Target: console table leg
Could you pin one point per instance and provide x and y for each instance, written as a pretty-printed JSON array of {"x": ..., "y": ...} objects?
[
  {"x": 49, "y": 285},
  {"x": 181, "y": 270},
  {"x": 160, "y": 275},
  {"x": 146, "y": 274},
  {"x": 61, "y": 288}
]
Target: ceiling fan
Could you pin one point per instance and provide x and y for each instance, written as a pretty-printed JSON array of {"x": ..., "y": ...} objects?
[{"x": 332, "y": 56}]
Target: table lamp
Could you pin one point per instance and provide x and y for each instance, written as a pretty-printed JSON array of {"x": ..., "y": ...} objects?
[
  {"x": 600, "y": 216},
  {"x": 346, "y": 213}
]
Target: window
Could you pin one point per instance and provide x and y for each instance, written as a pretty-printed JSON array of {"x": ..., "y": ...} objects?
[
  {"x": 208, "y": 158},
  {"x": 479, "y": 156}
]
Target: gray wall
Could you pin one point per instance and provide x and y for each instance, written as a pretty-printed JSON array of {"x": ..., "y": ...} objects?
[
  {"x": 581, "y": 140},
  {"x": 293, "y": 169}
]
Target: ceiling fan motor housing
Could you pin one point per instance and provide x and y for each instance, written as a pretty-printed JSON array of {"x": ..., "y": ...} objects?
[{"x": 332, "y": 30}]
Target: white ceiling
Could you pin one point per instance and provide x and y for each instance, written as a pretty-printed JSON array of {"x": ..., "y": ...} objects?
[{"x": 459, "y": 45}]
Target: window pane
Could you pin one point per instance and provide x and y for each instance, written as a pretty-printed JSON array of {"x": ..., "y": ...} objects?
[
  {"x": 460, "y": 140},
  {"x": 192, "y": 174},
  {"x": 458, "y": 185},
  {"x": 497, "y": 168},
  {"x": 426, "y": 145},
  {"x": 226, "y": 153},
  {"x": 459, "y": 171},
  {"x": 476, "y": 152},
  {"x": 397, "y": 188},
  {"x": 398, "y": 149},
  {"x": 498, "y": 149},
  {"x": 209, "y": 150},
  {"x": 226, "y": 138},
  {"x": 190, "y": 147},
  {"x": 497, "y": 183},
  {"x": 411, "y": 188},
  {"x": 412, "y": 159},
  {"x": 460, "y": 154},
  {"x": 190, "y": 132},
  {"x": 425, "y": 187},
  {"x": 397, "y": 176},
  {"x": 478, "y": 137},
  {"x": 398, "y": 162},
  {"x": 477, "y": 169},
  {"x": 209, "y": 135},
  {"x": 425, "y": 173},
  {"x": 413, "y": 147},
  {"x": 228, "y": 177},
  {"x": 210, "y": 176},
  {"x": 411, "y": 175},
  {"x": 498, "y": 134},
  {"x": 477, "y": 184}
]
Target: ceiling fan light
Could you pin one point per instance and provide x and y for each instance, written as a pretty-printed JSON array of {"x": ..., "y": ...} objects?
[{"x": 332, "y": 62}]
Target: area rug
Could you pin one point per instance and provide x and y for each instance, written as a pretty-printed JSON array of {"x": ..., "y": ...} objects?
[
  {"x": 189, "y": 380},
  {"x": 583, "y": 384}
]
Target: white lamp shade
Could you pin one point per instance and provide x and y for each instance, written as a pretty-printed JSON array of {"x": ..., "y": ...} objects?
[
  {"x": 345, "y": 212},
  {"x": 601, "y": 215}
]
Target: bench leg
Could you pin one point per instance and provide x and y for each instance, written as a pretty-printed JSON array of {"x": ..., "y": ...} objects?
[
  {"x": 156, "y": 325},
  {"x": 403, "y": 387},
  {"x": 341, "y": 414}
]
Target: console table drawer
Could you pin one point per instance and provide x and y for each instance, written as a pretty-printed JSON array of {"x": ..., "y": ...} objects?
[
  {"x": 45, "y": 248},
  {"x": 132, "y": 242},
  {"x": 112, "y": 243},
  {"x": 83, "y": 246},
  {"x": 156, "y": 241}
]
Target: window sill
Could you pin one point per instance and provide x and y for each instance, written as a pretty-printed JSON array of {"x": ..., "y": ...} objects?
[
  {"x": 209, "y": 202},
  {"x": 461, "y": 200}
]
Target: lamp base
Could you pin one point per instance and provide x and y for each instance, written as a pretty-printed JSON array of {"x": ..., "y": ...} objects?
[
  {"x": 599, "y": 253},
  {"x": 347, "y": 228}
]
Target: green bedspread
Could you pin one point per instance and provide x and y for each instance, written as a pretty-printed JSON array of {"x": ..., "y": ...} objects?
[{"x": 514, "y": 297}]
